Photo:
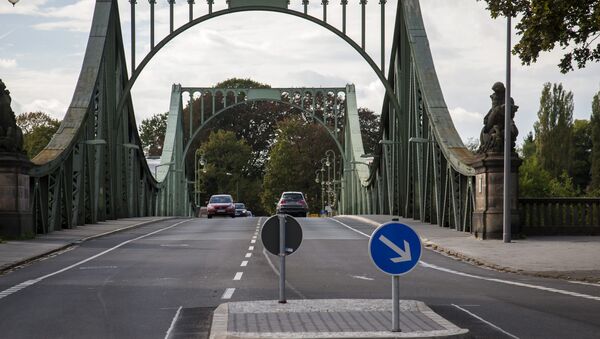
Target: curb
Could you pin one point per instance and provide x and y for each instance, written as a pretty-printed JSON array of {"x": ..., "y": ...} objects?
[
  {"x": 16, "y": 264},
  {"x": 431, "y": 245},
  {"x": 219, "y": 329}
]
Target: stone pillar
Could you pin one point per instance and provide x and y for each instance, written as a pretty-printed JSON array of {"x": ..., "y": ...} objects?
[
  {"x": 15, "y": 210},
  {"x": 489, "y": 186}
]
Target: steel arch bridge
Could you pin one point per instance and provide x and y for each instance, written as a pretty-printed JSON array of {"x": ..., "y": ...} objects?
[{"x": 93, "y": 169}]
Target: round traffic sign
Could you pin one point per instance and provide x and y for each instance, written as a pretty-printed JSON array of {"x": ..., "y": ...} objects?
[
  {"x": 269, "y": 235},
  {"x": 395, "y": 248}
]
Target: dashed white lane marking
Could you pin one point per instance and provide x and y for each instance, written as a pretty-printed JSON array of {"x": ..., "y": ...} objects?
[
  {"x": 228, "y": 293},
  {"x": 251, "y": 248},
  {"x": 485, "y": 321},
  {"x": 238, "y": 276},
  {"x": 27, "y": 283},
  {"x": 96, "y": 267},
  {"x": 361, "y": 277},
  {"x": 502, "y": 281},
  {"x": 244, "y": 263},
  {"x": 168, "y": 334},
  {"x": 254, "y": 237},
  {"x": 253, "y": 241},
  {"x": 248, "y": 255},
  {"x": 583, "y": 283}
]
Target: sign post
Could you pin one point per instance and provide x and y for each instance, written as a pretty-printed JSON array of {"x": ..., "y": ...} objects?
[
  {"x": 395, "y": 249},
  {"x": 281, "y": 218},
  {"x": 281, "y": 235}
]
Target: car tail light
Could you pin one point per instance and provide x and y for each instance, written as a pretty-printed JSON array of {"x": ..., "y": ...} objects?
[
  {"x": 302, "y": 202},
  {"x": 282, "y": 202}
]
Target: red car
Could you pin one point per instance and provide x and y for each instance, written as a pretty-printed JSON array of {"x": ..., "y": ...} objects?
[{"x": 220, "y": 204}]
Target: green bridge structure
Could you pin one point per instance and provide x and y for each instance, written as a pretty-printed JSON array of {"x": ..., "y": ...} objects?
[{"x": 94, "y": 168}]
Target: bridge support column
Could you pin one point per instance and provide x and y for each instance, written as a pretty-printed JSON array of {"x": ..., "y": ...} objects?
[
  {"x": 15, "y": 211},
  {"x": 489, "y": 184}
]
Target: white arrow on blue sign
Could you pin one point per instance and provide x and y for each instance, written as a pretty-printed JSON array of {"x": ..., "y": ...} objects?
[{"x": 395, "y": 248}]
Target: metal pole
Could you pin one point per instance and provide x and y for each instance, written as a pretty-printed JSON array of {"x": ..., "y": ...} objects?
[
  {"x": 363, "y": 19},
  {"x": 152, "y": 2},
  {"x": 133, "y": 2},
  {"x": 282, "y": 259},
  {"x": 395, "y": 303},
  {"x": 507, "y": 140},
  {"x": 171, "y": 2}
]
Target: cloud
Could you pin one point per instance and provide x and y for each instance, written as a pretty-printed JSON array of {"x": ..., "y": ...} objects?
[
  {"x": 8, "y": 63},
  {"x": 467, "y": 123}
]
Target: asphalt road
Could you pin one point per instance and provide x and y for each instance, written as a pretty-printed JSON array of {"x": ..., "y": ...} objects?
[{"x": 164, "y": 280}]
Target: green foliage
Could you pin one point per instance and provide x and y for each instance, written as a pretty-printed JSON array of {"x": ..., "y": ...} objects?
[
  {"x": 241, "y": 83},
  {"x": 294, "y": 158},
  {"x": 595, "y": 155},
  {"x": 581, "y": 154},
  {"x": 544, "y": 24},
  {"x": 528, "y": 149},
  {"x": 553, "y": 129},
  {"x": 152, "y": 133},
  {"x": 536, "y": 182},
  {"x": 226, "y": 159},
  {"x": 369, "y": 128},
  {"x": 38, "y": 128}
]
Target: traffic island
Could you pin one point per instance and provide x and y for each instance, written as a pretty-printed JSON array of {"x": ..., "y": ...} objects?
[{"x": 329, "y": 318}]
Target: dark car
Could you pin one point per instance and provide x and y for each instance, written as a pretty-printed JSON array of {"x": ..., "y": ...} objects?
[
  {"x": 240, "y": 210},
  {"x": 220, "y": 204},
  {"x": 293, "y": 203}
]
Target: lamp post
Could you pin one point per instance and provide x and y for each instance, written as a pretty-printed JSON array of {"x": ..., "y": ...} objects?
[
  {"x": 237, "y": 187},
  {"x": 199, "y": 160},
  {"x": 507, "y": 139},
  {"x": 332, "y": 183}
]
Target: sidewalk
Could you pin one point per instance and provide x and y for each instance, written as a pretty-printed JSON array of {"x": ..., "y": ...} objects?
[
  {"x": 18, "y": 252},
  {"x": 565, "y": 257}
]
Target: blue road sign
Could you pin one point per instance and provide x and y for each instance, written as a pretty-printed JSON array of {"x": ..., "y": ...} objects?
[{"x": 395, "y": 248}]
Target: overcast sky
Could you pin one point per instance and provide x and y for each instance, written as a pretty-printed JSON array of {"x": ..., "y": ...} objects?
[{"x": 42, "y": 43}]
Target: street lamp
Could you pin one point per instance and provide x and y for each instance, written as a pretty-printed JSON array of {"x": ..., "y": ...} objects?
[{"x": 237, "y": 186}]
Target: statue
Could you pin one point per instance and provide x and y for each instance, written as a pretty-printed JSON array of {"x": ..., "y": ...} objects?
[
  {"x": 492, "y": 133},
  {"x": 11, "y": 136}
]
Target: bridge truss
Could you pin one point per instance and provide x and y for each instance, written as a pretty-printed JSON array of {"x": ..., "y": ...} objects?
[{"x": 94, "y": 169}]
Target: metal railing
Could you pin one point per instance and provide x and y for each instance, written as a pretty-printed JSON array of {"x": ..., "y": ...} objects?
[{"x": 567, "y": 216}]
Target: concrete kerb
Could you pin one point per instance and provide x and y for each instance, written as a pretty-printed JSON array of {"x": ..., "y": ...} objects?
[
  {"x": 26, "y": 261},
  {"x": 220, "y": 324}
]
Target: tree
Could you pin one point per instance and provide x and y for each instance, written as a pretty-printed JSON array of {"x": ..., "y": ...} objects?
[
  {"x": 369, "y": 128},
  {"x": 595, "y": 156},
  {"x": 152, "y": 133},
  {"x": 226, "y": 161},
  {"x": 294, "y": 158},
  {"x": 38, "y": 128},
  {"x": 553, "y": 129},
  {"x": 536, "y": 182},
  {"x": 581, "y": 154},
  {"x": 546, "y": 23},
  {"x": 528, "y": 149}
]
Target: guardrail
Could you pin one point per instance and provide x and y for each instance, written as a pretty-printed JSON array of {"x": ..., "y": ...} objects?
[{"x": 565, "y": 216}]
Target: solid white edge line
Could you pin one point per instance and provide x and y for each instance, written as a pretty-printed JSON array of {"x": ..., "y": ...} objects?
[
  {"x": 168, "y": 334},
  {"x": 583, "y": 283},
  {"x": 485, "y": 321},
  {"x": 502, "y": 281},
  {"x": 238, "y": 276},
  {"x": 228, "y": 293},
  {"x": 244, "y": 263},
  {"x": 36, "y": 280},
  {"x": 357, "y": 231}
]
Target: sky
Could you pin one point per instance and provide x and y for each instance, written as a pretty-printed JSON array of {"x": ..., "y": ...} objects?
[{"x": 42, "y": 44}]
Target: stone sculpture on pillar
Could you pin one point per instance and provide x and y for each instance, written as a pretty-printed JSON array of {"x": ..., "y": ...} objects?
[
  {"x": 15, "y": 211},
  {"x": 489, "y": 170}
]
